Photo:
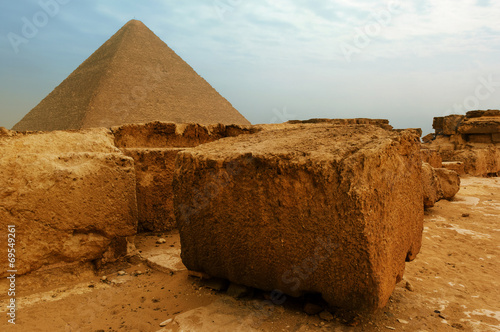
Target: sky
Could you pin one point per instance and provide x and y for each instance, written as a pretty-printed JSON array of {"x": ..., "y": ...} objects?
[{"x": 406, "y": 61}]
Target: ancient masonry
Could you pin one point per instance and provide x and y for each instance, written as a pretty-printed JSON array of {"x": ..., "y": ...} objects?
[
  {"x": 134, "y": 77},
  {"x": 468, "y": 144}
]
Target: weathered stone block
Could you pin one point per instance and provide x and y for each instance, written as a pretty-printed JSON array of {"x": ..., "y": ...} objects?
[
  {"x": 327, "y": 209},
  {"x": 480, "y": 138},
  {"x": 456, "y": 166},
  {"x": 432, "y": 157},
  {"x": 438, "y": 183},
  {"x": 437, "y": 125},
  {"x": 154, "y": 170},
  {"x": 482, "y": 125},
  {"x": 67, "y": 207},
  {"x": 451, "y": 123}
]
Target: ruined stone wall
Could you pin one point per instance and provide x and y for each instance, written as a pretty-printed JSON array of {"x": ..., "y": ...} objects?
[
  {"x": 472, "y": 139},
  {"x": 154, "y": 147}
]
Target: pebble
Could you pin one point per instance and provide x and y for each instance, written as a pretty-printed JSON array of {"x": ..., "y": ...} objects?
[
  {"x": 409, "y": 286},
  {"x": 104, "y": 278},
  {"x": 465, "y": 215},
  {"x": 161, "y": 241},
  {"x": 402, "y": 321},
  {"x": 122, "y": 273},
  {"x": 165, "y": 323},
  {"x": 390, "y": 327},
  {"x": 325, "y": 315},
  {"x": 312, "y": 309}
]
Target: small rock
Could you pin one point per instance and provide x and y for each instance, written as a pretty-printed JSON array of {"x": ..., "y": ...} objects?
[
  {"x": 441, "y": 316},
  {"x": 312, "y": 309},
  {"x": 402, "y": 321},
  {"x": 138, "y": 273},
  {"x": 104, "y": 278},
  {"x": 409, "y": 286},
  {"x": 390, "y": 328},
  {"x": 465, "y": 215},
  {"x": 165, "y": 323},
  {"x": 238, "y": 291},
  {"x": 161, "y": 241},
  {"x": 122, "y": 273},
  {"x": 325, "y": 315}
]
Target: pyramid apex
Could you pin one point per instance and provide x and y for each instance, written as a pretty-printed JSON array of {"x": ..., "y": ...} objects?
[{"x": 134, "y": 22}]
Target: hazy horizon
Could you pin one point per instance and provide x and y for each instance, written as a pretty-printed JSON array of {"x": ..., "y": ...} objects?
[{"x": 276, "y": 61}]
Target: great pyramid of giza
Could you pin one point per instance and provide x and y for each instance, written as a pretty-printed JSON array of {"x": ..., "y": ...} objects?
[{"x": 134, "y": 77}]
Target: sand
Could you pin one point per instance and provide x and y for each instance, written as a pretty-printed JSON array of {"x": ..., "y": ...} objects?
[{"x": 453, "y": 285}]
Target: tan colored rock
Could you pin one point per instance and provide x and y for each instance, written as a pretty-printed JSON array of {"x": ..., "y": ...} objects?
[
  {"x": 70, "y": 195},
  {"x": 316, "y": 208},
  {"x": 437, "y": 125},
  {"x": 451, "y": 123},
  {"x": 432, "y": 157},
  {"x": 438, "y": 183},
  {"x": 480, "y": 161},
  {"x": 482, "y": 125},
  {"x": 480, "y": 138},
  {"x": 456, "y": 166},
  {"x": 428, "y": 138},
  {"x": 154, "y": 146},
  {"x": 478, "y": 114},
  {"x": 154, "y": 169},
  {"x": 171, "y": 135}
]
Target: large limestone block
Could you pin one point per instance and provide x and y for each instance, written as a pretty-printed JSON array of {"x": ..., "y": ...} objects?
[
  {"x": 67, "y": 207},
  {"x": 482, "y": 125},
  {"x": 432, "y": 157},
  {"x": 154, "y": 170},
  {"x": 451, "y": 123},
  {"x": 480, "y": 161},
  {"x": 322, "y": 208},
  {"x": 438, "y": 183}
]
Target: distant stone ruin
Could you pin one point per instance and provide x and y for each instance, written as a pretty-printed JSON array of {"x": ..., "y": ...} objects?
[
  {"x": 468, "y": 144},
  {"x": 134, "y": 77}
]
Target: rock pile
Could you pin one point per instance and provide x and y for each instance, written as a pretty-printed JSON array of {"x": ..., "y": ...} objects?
[{"x": 472, "y": 139}]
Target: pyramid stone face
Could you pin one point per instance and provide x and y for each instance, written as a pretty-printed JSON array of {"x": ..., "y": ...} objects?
[{"x": 134, "y": 77}]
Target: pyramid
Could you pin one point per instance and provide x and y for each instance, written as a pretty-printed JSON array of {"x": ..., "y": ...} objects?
[{"x": 134, "y": 77}]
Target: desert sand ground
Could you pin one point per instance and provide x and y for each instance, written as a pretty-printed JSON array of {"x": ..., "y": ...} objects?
[{"x": 453, "y": 285}]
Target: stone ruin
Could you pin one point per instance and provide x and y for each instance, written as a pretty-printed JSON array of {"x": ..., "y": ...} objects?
[
  {"x": 242, "y": 197},
  {"x": 468, "y": 144}
]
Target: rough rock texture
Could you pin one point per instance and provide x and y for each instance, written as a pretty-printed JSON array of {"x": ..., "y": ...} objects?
[
  {"x": 154, "y": 146},
  {"x": 438, "y": 183},
  {"x": 310, "y": 209},
  {"x": 70, "y": 195},
  {"x": 456, "y": 166},
  {"x": 432, "y": 157},
  {"x": 473, "y": 139},
  {"x": 134, "y": 77},
  {"x": 154, "y": 169},
  {"x": 171, "y": 135}
]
